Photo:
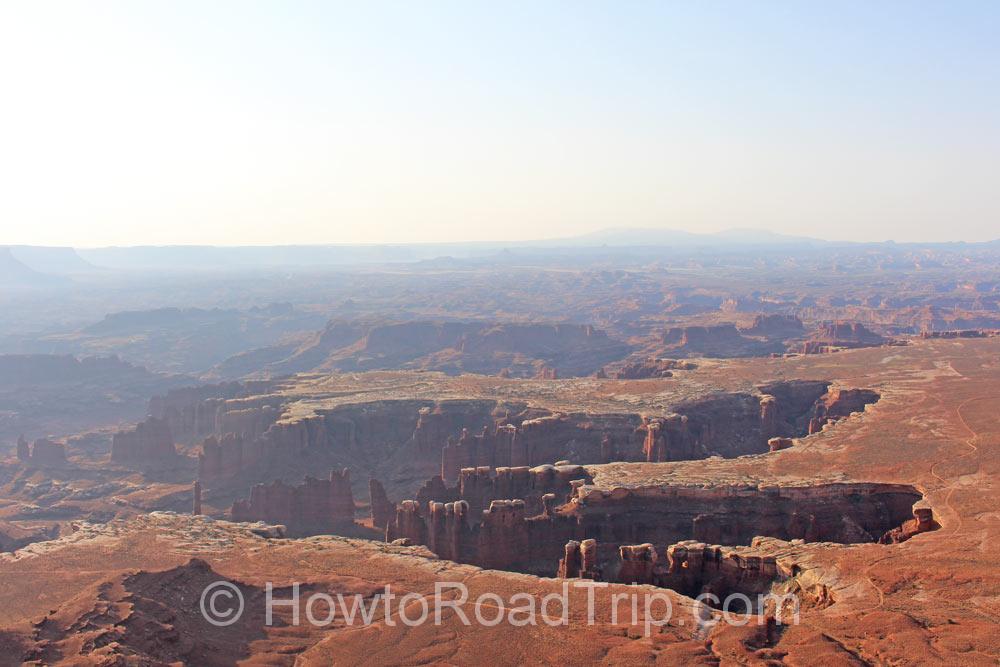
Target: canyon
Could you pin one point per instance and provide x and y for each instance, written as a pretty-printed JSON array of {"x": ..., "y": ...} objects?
[{"x": 807, "y": 437}]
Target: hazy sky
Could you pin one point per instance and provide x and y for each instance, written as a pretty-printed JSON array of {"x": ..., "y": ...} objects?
[{"x": 295, "y": 122}]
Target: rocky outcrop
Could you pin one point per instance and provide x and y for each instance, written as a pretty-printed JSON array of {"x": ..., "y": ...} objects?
[
  {"x": 196, "y": 500},
  {"x": 314, "y": 507},
  {"x": 382, "y": 509},
  {"x": 149, "y": 443},
  {"x": 838, "y": 404},
  {"x": 15, "y": 536},
  {"x": 23, "y": 449},
  {"x": 777, "y": 444},
  {"x": 45, "y": 453},
  {"x": 579, "y": 561},
  {"x": 225, "y": 456},
  {"x": 922, "y": 522},
  {"x": 834, "y": 336},
  {"x": 651, "y": 367}
]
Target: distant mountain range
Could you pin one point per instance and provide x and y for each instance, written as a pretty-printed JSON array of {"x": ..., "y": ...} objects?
[{"x": 36, "y": 265}]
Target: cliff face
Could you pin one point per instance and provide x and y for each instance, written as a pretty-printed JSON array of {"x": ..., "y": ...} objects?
[
  {"x": 315, "y": 506},
  {"x": 401, "y": 441},
  {"x": 149, "y": 443},
  {"x": 508, "y": 534},
  {"x": 192, "y": 413}
]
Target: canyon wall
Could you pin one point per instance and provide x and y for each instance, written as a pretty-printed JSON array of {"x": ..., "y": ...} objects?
[
  {"x": 316, "y": 506},
  {"x": 508, "y": 535}
]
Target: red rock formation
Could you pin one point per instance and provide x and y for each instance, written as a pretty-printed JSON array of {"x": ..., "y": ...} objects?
[
  {"x": 838, "y": 404},
  {"x": 922, "y": 522},
  {"x": 777, "y": 444},
  {"x": 23, "y": 450},
  {"x": 448, "y": 532},
  {"x": 547, "y": 373},
  {"x": 45, "y": 453},
  {"x": 382, "y": 509},
  {"x": 650, "y": 368},
  {"x": 579, "y": 561},
  {"x": 503, "y": 535},
  {"x": 638, "y": 564},
  {"x": 720, "y": 340},
  {"x": 225, "y": 457},
  {"x": 407, "y": 524},
  {"x": 149, "y": 443},
  {"x": 667, "y": 439},
  {"x": 775, "y": 326},
  {"x": 196, "y": 492},
  {"x": 833, "y": 336},
  {"x": 768, "y": 416},
  {"x": 314, "y": 507}
]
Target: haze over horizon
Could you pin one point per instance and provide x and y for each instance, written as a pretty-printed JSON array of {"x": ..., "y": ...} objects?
[{"x": 265, "y": 124}]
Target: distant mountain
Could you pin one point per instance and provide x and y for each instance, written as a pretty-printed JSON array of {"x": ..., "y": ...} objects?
[
  {"x": 56, "y": 261},
  {"x": 14, "y": 273}
]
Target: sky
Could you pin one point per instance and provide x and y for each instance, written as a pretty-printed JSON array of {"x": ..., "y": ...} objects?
[{"x": 245, "y": 123}]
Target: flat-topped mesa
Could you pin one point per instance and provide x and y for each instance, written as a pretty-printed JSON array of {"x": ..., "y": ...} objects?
[
  {"x": 150, "y": 442},
  {"x": 45, "y": 453},
  {"x": 382, "y": 509},
  {"x": 922, "y": 522},
  {"x": 23, "y": 449},
  {"x": 579, "y": 561},
  {"x": 775, "y": 326},
  {"x": 317, "y": 506}
]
